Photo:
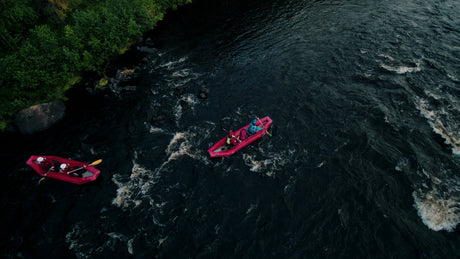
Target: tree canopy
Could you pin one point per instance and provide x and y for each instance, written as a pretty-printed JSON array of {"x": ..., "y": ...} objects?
[{"x": 45, "y": 44}]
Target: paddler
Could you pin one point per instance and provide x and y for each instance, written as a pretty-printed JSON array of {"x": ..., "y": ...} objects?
[
  {"x": 44, "y": 163},
  {"x": 231, "y": 139},
  {"x": 253, "y": 128}
]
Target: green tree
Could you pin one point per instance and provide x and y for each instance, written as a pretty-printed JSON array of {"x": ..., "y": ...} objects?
[
  {"x": 16, "y": 18},
  {"x": 46, "y": 43},
  {"x": 37, "y": 72}
]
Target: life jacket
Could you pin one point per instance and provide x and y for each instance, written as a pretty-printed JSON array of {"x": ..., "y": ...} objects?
[
  {"x": 243, "y": 135},
  {"x": 45, "y": 164},
  {"x": 253, "y": 129},
  {"x": 234, "y": 141}
]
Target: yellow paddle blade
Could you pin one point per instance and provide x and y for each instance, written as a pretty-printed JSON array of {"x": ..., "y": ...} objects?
[{"x": 96, "y": 162}]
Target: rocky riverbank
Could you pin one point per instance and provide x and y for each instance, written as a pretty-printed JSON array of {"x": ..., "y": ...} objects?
[{"x": 123, "y": 76}]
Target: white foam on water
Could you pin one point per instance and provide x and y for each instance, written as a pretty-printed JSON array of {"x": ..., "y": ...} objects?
[
  {"x": 122, "y": 238},
  {"x": 182, "y": 73},
  {"x": 130, "y": 246},
  {"x": 136, "y": 186},
  {"x": 178, "y": 111},
  {"x": 387, "y": 60},
  {"x": 368, "y": 75},
  {"x": 74, "y": 243},
  {"x": 453, "y": 77},
  {"x": 456, "y": 151},
  {"x": 180, "y": 146},
  {"x": 251, "y": 208},
  {"x": 161, "y": 241},
  {"x": 402, "y": 69},
  {"x": 189, "y": 100},
  {"x": 134, "y": 189},
  {"x": 217, "y": 229},
  {"x": 432, "y": 94},
  {"x": 250, "y": 161},
  {"x": 387, "y": 57},
  {"x": 321, "y": 164},
  {"x": 123, "y": 193},
  {"x": 80, "y": 241},
  {"x": 116, "y": 235},
  {"x": 170, "y": 64},
  {"x": 269, "y": 165},
  {"x": 402, "y": 164},
  {"x": 437, "y": 213},
  {"x": 451, "y": 137},
  {"x": 179, "y": 83},
  {"x": 152, "y": 129}
]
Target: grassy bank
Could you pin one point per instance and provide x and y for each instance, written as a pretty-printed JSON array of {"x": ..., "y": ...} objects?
[{"x": 46, "y": 44}]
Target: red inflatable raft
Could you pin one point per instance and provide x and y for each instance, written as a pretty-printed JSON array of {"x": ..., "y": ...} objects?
[
  {"x": 75, "y": 171},
  {"x": 221, "y": 150}
]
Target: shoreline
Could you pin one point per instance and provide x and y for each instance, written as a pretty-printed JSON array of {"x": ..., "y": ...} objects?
[{"x": 68, "y": 56}]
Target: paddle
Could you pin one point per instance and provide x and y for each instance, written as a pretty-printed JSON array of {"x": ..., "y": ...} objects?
[
  {"x": 263, "y": 127},
  {"x": 45, "y": 174},
  {"x": 239, "y": 140},
  {"x": 93, "y": 163}
]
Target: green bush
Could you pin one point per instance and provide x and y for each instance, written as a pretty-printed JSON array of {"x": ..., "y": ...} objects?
[
  {"x": 16, "y": 18},
  {"x": 39, "y": 62}
]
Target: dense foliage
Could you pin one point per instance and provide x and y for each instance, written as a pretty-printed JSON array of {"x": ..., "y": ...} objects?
[{"x": 45, "y": 44}]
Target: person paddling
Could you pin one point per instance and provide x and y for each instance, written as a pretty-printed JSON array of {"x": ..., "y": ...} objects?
[
  {"x": 253, "y": 128},
  {"x": 44, "y": 163},
  {"x": 242, "y": 135},
  {"x": 231, "y": 139},
  {"x": 64, "y": 168}
]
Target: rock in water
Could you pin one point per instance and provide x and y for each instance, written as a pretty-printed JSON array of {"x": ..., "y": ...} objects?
[{"x": 39, "y": 117}]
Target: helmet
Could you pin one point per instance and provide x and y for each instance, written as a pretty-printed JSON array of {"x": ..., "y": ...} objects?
[
  {"x": 63, "y": 166},
  {"x": 40, "y": 159},
  {"x": 254, "y": 122}
]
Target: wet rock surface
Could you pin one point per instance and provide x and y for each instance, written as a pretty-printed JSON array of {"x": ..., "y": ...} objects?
[{"x": 39, "y": 117}]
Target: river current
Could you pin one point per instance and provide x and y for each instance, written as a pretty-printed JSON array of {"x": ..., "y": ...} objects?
[{"x": 363, "y": 161}]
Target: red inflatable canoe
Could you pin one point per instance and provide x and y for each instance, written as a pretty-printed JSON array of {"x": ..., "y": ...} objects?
[
  {"x": 221, "y": 150},
  {"x": 75, "y": 171}
]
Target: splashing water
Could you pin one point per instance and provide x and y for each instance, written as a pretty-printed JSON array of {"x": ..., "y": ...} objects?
[
  {"x": 396, "y": 68},
  {"x": 402, "y": 69},
  {"x": 268, "y": 166},
  {"x": 171, "y": 64},
  {"x": 134, "y": 189},
  {"x": 138, "y": 184},
  {"x": 437, "y": 213},
  {"x": 179, "y": 146},
  {"x": 439, "y": 126}
]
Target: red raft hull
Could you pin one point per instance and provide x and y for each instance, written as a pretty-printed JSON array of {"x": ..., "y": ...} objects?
[
  {"x": 218, "y": 149},
  {"x": 89, "y": 173}
]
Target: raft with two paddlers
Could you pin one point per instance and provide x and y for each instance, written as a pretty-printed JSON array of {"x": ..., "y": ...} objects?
[
  {"x": 222, "y": 149},
  {"x": 64, "y": 169}
]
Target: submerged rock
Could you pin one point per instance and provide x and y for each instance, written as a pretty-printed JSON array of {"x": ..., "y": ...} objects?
[
  {"x": 39, "y": 117},
  {"x": 148, "y": 50},
  {"x": 204, "y": 91}
]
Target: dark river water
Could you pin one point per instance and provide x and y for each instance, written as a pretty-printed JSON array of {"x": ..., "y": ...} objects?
[{"x": 363, "y": 161}]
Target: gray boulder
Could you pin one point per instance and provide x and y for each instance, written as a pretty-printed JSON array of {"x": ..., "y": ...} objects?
[{"x": 39, "y": 117}]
